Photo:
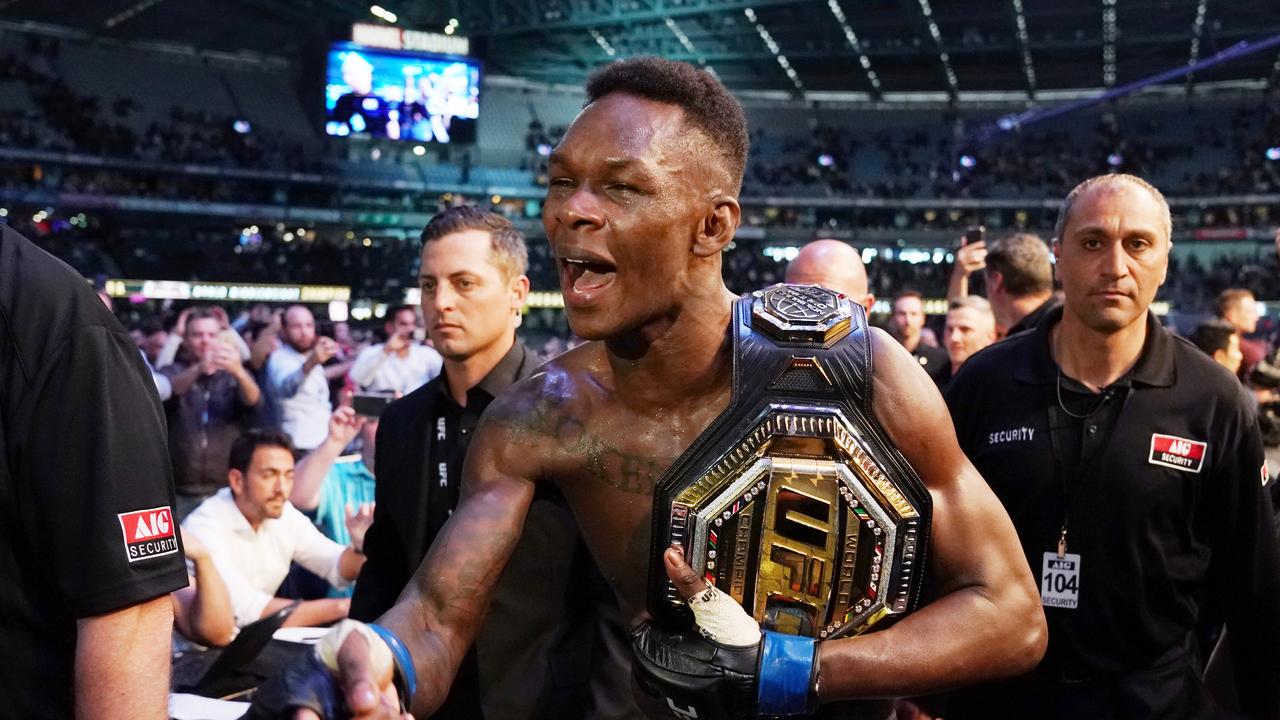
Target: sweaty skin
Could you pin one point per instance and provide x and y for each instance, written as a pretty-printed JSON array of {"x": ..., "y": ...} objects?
[{"x": 638, "y": 211}]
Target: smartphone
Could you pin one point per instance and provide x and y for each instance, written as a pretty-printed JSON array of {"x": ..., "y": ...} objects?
[
  {"x": 975, "y": 233},
  {"x": 228, "y": 337},
  {"x": 371, "y": 404}
]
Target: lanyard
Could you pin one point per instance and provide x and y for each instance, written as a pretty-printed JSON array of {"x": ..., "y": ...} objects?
[{"x": 1060, "y": 436}]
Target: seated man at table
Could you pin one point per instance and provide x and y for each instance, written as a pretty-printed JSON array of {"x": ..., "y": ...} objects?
[{"x": 252, "y": 534}]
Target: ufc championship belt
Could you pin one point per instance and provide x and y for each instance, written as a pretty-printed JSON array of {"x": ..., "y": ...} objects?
[{"x": 794, "y": 501}]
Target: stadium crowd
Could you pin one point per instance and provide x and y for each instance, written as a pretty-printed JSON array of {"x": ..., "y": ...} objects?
[{"x": 953, "y": 158}]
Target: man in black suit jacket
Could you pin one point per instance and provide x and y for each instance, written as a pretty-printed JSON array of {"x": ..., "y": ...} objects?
[{"x": 534, "y": 656}]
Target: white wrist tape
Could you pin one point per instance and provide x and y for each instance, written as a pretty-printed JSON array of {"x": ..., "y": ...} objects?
[
  {"x": 379, "y": 654},
  {"x": 720, "y": 618}
]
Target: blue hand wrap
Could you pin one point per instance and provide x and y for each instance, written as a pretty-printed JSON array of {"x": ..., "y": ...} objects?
[
  {"x": 407, "y": 674},
  {"x": 786, "y": 671}
]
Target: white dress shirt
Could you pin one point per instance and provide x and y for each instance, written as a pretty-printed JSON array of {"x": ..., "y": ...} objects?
[
  {"x": 253, "y": 563},
  {"x": 301, "y": 403},
  {"x": 375, "y": 369}
]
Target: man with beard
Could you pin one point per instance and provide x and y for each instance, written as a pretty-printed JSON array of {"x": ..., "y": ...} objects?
[
  {"x": 641, "y": 203},
  {"x": 252, "y": 533},
  {"x": 296, "y": 383}
]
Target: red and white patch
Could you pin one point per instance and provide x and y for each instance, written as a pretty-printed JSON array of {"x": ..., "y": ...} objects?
[
  {"x": 1177, "y": 453},
  {"x": 148, "y": 533},
  {"x": 1266, "y": 473}
]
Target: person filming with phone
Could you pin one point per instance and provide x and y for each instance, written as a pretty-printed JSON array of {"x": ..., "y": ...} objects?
[
  {"x": 296, "y": 382},
  {"x": 401, "y": 364},
  {"x": 1019, "y": 277},
  {"x": 213, "y": 399}
]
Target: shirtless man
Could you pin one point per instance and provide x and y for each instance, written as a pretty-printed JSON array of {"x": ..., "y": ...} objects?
[{"x": 641, "y": 203}]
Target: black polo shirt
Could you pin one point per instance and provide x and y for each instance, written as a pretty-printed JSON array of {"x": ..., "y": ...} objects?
[
  {"x": 86, "y": 495},
  {"x": 1159, "y": 480},
  {"x": 1035, "y": 317},
  {"x": 452, "y": 426}
]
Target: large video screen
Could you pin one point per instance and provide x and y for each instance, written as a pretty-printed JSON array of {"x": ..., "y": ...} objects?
[{"x": 379, "y": 93}]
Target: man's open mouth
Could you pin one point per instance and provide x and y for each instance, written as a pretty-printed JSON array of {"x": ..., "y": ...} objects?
[{"x": 587, "y": 275}]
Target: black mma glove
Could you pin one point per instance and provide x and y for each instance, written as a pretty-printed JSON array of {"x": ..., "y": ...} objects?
[
  {"x": 694, "y": 677},
  {"x": 308, "y": 684}
]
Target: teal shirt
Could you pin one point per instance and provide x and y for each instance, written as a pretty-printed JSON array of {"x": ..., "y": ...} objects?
[{"x": 349, "y": 482}]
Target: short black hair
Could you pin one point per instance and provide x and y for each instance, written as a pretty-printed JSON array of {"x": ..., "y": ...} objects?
[
  {"x": 506, "y": 242},
  {"x": 243, "y": 447},
  {"x": 151, "y": 326},
  {"x": 1212, "y": 336},
  {"x": 707, "y": 103}
]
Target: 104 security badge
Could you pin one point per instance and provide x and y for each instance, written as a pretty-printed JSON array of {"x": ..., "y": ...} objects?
[{"x": 1060, "y": 580}]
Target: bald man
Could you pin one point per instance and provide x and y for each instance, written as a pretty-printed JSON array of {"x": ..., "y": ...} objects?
[{"x": 834, "y": 265}]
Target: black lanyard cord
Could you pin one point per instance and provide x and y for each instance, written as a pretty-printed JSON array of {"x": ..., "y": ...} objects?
[{"x": 1085, "y": 466}]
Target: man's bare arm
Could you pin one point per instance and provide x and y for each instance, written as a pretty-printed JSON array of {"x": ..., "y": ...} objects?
[
  {"x": 441, "y": 610},
  {"x": 202, "y": 610},
  {"x": 987, "y": 621},
  {"x": 122, "y": 662}
]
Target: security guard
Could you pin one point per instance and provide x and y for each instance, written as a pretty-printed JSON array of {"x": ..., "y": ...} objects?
[
  {"x": 1132, "y": 467},
  {"x": 89, "y": 550}
]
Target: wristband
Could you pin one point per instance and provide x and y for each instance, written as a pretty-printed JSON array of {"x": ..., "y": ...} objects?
[
  {"x": 406, "y": 673},
  {"x": 786, "y": 675}
]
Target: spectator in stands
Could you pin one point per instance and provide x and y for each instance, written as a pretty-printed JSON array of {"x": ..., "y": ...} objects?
[
  {"x": 1019, "y": 279},
  {"x": 175, "y": 340},
  {"x": 971, "y": 257},
  {"x": 346, "y": 341},
  {"x": 1220, "y": 341},
  {"x": 296, "y": 383},
  {"x": 834, "y": 265},
  {"x": 401, "y": 364},
  {"x": 906, "y": 324},
  {"x": 333, "y": 489},
  {"x": 264, "y": 339},
  {"x": 213, "y": 399},
  {"x": 970, "y": 327},
  {"x": 1237, "y": 307},
  {"x": 154, "y": 338},
  {"x": 252, "y": 533}
]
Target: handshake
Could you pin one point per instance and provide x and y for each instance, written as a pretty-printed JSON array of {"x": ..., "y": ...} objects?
[
  {"x": 377, "y": 672},
  {"x": 723, "y": 669}
]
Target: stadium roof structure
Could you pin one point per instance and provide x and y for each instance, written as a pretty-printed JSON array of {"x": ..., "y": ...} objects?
[{"x": 852, "y": 49}]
